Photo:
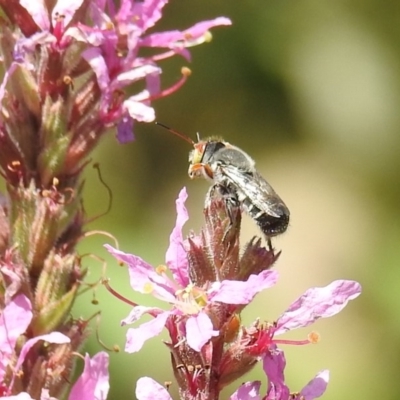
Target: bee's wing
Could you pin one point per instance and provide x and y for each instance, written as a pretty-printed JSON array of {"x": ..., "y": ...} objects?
[{"x": 253, "y": 186}]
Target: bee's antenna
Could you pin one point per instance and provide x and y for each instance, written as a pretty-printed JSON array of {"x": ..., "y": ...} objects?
[{"x": 182, "y": 136}]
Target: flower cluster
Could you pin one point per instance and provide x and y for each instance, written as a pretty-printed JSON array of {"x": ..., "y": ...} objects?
[
  {"x": 210, "y": 285},
  {"x": 14, "y": 321},
  {"x": 68, "y": 67}
]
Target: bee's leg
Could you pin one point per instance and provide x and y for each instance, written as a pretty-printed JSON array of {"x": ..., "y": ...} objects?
[
  {"x": 270, "y": 248},
  {"x": 233, "y": 209},
  {"x": 232, "y": 204}
]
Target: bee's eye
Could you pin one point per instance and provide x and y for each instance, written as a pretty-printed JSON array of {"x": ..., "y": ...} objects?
[{"x": 196, "y": 155}]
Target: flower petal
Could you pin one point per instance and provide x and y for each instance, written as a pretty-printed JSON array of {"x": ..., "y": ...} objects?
[
  {"x": 139, "y": 111},
  {"x": 188, "y": 37},
  {"x": 136, "y": 337},
  {"x": 199, "y": 330},
  {"x": 97, "y": 62},
  {"x": 319, "y": 302},
  {"x": 143, "y": 277},
  {"x": 66, "y": 8},
  {"x": 274, "y": 364},
  {"x": 53, "y": 337},
  {"x": 19, "y": 396},
  {"x": 247, "y": 391},
  {"x": 38, "y": 12},
  {"x": 135, "y": 74},
  {"x": 137, "y": 313},
  {"x": 93, "y": 384},
  {"x": 316, "y": 387},
  {"x": 125, "y": 130},
  {"x": 14, "y": 320},
  {"x": 176, "y": 257},
  {"x": 149, "y": 389},
  {"x": 144, "y": 13},
  {"x": 239, "y": 292}
]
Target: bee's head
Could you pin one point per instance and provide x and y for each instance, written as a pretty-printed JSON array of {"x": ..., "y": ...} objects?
[
  {"x": 201, "y": 158},
  {"x": 196, "y": 169}
]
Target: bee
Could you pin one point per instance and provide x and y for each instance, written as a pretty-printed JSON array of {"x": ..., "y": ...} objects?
[{"x": 232, "y": 171}]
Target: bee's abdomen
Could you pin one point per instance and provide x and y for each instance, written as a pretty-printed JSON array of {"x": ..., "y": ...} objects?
[
  {"x": 269, "y": 224},
  {"x": 272, "y": 226}
]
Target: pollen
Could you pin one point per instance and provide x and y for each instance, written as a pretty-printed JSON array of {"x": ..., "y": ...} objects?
[
  {"x": 207, "y": 36},
  {"x": 14, "y": 165},
  {"x": 148, "y": 288},
  {"x": 109, "y": 26},
  {"x": 67, "y": 80},
  {"x": 161, "y": 269},
  {"x": 185, "y": 71},
  {"x": 314, "y": 337}
]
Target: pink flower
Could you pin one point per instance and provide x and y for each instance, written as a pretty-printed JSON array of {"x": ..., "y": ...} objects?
[
  {"x": 248, "y": 391},
  {"x": 274, "y": 365},
  {"x": 315, "y": 303},
  {"x": 93, "y": 383},
  {"x": 318, "y": 302},
  {"x": 188, "y": 301},
  {"x": 149, "y": 389},
  {"x": 209, "y": 287},
  {"x": 112, "y": 48},
  {"x": 14, "y": 320}
]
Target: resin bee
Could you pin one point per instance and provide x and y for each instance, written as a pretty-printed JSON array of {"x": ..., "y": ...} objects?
[{"x": 233, "y": 172}]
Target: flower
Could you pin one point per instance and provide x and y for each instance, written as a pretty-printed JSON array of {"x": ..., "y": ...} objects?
[
  {"x": 315, "y": 303},
  {"x": 318, "y": 302},
  {"x": 107, "y": 53},
  {"x": 274, "y": 365},
  {"x": 260, "y": 339},
  {"x": 93, "y": 383},
  {"x": 210, "y": 285},
  {"x": 68, "y": 66},
  {"x": 14, "y": 320},
  {"x": 149, "y": 389},
  {"x": 188, "y": 300}
]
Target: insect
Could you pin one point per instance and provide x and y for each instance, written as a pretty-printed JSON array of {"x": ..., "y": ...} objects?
[{"x": 233, "y": 172}]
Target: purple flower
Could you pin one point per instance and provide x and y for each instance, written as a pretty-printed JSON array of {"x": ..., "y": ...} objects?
[
  {"x": 248, "y": 391},
  {"x": 112, "y": 48},
  {"x": 14, "y": 320},
  {"x": 274, "y": 365},
  {"x": 207, "y": 289},
  {"x": 188, "y": 301},
  {"x": 315, "y": 303},
  {"x": 318, "y": 302},
  {"x": 93, "y": 383},
  {"x": 149, "y": 389}
]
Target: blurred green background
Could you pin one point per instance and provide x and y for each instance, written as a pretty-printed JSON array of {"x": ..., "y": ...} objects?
[{"x": 311, "y": 89}]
